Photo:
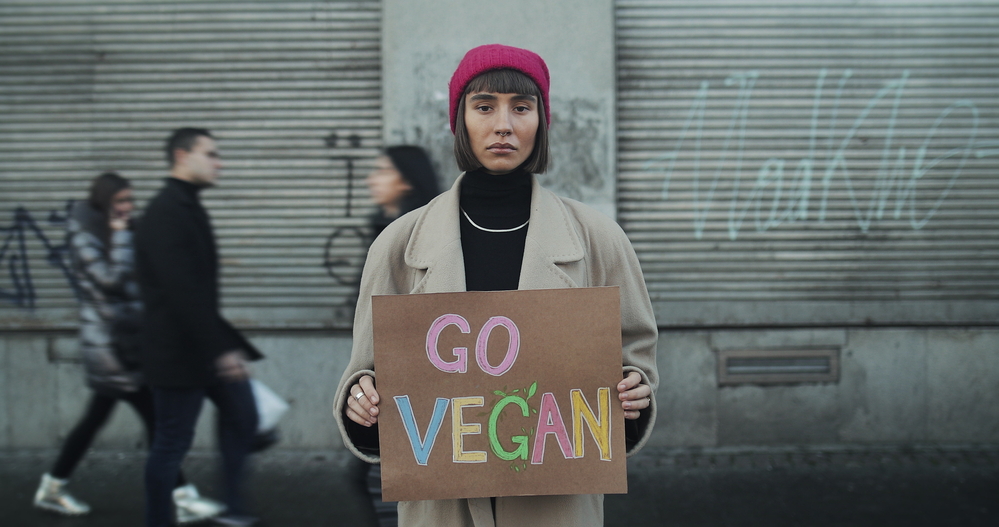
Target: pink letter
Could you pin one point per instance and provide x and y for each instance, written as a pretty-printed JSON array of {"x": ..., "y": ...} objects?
[
  {"x": 550, "y": 422},
  {"x": 511, "y": 352},
  {"x": 460, "y": 365}
]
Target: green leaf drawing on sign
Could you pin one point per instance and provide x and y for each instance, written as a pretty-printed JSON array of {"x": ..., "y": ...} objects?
[
  {"x": 494, "y": 442},
  {"x": 519, "y": 398}
]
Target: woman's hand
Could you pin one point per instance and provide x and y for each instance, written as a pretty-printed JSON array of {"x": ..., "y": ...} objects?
[
  {"x": 634, "y": 395},
  {"x": 362, "y": 404},
  {"x": 118, "y": 221},
  {"x": 118, "y": 224}
]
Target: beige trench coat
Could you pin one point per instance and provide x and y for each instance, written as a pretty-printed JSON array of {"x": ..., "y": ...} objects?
[{"x": 568, "y": 245}]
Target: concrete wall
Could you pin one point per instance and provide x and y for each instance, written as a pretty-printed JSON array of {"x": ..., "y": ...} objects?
[
  {"x": 897, "y": 386},
  {"x": 43, "y": 393},
  {"x": 930, "y": 385},
  {"x": 423, "y": 42}
]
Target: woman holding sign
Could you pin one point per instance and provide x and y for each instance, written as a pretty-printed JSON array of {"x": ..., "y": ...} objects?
[{"x": 498, "y": 229}]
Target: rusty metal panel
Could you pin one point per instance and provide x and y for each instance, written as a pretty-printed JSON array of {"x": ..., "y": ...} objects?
[
  {"x": 292, "y": 90},
  {"x": 811, "y": 163}
]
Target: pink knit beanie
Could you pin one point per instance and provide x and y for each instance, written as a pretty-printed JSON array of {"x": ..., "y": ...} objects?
[{"x": 496, "y": 57}]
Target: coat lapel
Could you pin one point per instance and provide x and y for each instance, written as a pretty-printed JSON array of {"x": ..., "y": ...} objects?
[
  {"x": 435, "y": 246},
  {"x": 551, "y": 242}
]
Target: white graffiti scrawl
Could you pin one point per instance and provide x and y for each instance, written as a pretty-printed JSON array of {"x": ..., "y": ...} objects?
[{"x": 774, "y": 197}]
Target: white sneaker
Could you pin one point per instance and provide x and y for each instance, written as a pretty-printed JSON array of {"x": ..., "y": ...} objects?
[
  {"x": 191, "y": 507},
  {"x": 53, "y": 496}
]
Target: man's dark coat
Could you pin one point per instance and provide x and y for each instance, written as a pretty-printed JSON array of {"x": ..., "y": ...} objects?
[{"x": 178, "y": 271}]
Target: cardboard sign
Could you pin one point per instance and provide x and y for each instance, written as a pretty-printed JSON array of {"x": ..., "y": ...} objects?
[{"x": 509, "y": 393}]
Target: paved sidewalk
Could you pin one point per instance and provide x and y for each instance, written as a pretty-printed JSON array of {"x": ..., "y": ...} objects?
[{"x": 952, "y": 486}]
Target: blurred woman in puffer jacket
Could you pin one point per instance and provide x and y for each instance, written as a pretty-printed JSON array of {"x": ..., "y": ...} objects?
[
  {"x": 99, "y": 235},
  {"x": 100, "y": 241}
]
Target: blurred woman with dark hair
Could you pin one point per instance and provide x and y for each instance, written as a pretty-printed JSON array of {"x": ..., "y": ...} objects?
[
  {"x": 403, "y": 181},
  {"x": 99, "y": 233}
]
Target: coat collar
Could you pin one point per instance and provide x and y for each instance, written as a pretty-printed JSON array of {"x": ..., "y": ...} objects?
[
  {"x": 186, "y": 192},
  {"x": 435, "y": 244}
]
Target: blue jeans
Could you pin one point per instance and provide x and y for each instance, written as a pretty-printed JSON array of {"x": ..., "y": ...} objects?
[{"x": 177, "y": 411}]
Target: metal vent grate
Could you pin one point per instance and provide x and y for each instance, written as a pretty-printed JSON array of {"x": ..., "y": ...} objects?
[{"x": 777, "y": 366}]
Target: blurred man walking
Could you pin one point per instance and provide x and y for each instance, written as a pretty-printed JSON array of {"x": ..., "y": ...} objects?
[{"x": 189, "y": 351}]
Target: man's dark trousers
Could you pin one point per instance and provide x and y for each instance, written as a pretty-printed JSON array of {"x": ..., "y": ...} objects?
[
  {"x": 183, "y": 336},
  {"x": 177, "y": 411}
]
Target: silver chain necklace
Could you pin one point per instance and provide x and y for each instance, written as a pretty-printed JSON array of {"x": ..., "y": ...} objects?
[{"x": 492, "y": 230}]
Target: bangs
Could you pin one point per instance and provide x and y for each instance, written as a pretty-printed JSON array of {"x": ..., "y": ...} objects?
[{"x": 504, "y": 81}]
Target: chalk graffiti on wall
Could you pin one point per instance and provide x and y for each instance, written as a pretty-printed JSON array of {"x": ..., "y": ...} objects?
[
  {"x": 775, "y": 197},
  {"x": 14, "y": 256}
]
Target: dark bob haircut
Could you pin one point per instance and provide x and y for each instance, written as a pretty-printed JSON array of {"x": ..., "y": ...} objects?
[
  {"x": 502, "y": 81},
  {"x": 414, "y": 166}
]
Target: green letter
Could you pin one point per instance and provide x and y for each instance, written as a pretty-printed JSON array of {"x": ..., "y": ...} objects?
[{"x": 494, "y": 442}]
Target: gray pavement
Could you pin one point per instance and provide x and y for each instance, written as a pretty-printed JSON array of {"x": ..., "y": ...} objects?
[{"x": 933, "y": 486}]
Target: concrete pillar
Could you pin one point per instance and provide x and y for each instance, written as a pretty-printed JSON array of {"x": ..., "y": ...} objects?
[{"x": 422, "y": 43}]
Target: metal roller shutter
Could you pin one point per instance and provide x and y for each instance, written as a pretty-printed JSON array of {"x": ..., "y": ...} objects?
[
  {"x": 292, "y": 91},
  {"x": 811, "y": 163}
]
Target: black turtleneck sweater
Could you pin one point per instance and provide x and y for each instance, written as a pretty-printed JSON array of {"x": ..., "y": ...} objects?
[{"x": 498, "y": 203}]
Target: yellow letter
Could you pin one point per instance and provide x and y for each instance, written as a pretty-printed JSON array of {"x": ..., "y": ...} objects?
[
  {"x": 460, "y": 429},
  {"x": 601, "y": 428}
]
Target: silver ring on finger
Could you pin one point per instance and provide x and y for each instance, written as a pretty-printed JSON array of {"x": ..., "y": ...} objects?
[{"x": 358, "y": 395}]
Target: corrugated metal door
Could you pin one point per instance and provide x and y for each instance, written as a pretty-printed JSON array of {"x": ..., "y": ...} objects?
[
  {"x": 290, "y": 89},
  {"x": 812, "y": 163}
]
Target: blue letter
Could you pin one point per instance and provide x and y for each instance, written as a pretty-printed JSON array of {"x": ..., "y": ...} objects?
[{"x": 421, "y": 447}]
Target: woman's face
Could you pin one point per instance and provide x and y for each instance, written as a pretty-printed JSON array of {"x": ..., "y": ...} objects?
[
  {"x": 122, "y": 204},
  {"x": 501, "y": 129},
  {"x": 386, "y": 184}
]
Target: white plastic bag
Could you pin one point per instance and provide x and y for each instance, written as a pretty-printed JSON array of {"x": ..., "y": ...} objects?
[{"x": 270, "y": 406}]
